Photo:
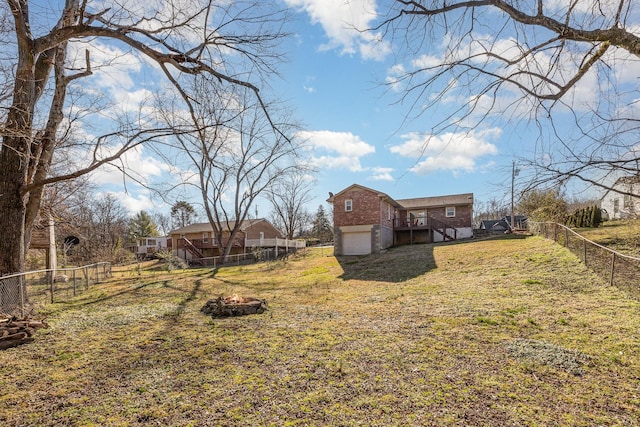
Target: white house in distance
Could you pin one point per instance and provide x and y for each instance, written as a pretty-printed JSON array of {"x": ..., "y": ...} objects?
[
  {"x": 147, "y": 247},
  {"x": 622, "y": 206}
]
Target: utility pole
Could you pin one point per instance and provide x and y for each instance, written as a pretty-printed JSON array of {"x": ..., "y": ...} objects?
[{"x": 514, "y": 173}]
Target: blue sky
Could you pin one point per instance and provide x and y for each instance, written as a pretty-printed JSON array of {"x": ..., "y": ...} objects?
[{"x": 355, "y": 127}]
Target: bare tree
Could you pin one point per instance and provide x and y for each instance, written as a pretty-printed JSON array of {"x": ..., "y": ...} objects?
[
  {"x": 288, "y": 199},
  {"x": 218, "y": 39},
  {"x": 163, "y": 221},
  {"x": 237, "y": 151},
  {"x": 491, "y": 209},
  {"x": 563, "y": 69},
  {"x": 100, "y": 223},
  {"x": 182, "y": 214}
]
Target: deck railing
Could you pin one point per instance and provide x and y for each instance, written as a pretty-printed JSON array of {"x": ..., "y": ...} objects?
[
  {"x": 274, "y": 243},
  {"x": 447, "y": 231}
]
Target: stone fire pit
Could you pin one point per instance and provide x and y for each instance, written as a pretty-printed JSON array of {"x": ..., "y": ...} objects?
[{"x": 234, "y": 306}]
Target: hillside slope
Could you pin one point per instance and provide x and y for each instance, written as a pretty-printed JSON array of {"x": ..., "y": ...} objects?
[{"x": 506, "y": 332}]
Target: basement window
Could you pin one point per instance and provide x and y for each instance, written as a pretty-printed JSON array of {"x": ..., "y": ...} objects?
[
  {"x": 451, "y": 212},
  {"x": 348, "y": 205}
]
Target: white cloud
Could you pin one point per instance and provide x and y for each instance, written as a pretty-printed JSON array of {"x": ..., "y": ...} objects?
[
  {"x": 343, "y": 22},
  {"x": 452, "y": 151},
  {"x": 111, "y": 66},
  {"x": 142, "y": 167},
  {"x": 382, "y": 174},
  {"x": 585, "y": 94},
  {"x": 344, "y": 148},
  {"x": 115, "y": 75},
  {"x": 135, "y": 204}
]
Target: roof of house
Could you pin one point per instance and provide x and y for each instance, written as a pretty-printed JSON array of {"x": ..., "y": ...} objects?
[
  {"x": 632, "y": 179},
  {"x": 415, "y": 203},
  {"x": 380, "y": 194},
  {"x": 516, "y": 218},
  {"x": 494, "y": 224},
  {"x": 437, "y": 201},
  {"x": 628, "y": 180},
  {"x": 203, "y": 227}
]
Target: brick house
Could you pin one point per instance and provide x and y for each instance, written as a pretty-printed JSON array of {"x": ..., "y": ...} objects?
[
  {"x": 367, "y": 220},
  {"x": 198, "y": 240}
]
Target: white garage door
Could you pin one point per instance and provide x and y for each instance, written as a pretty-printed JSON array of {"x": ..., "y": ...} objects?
[{"x": 356, "y": 243}]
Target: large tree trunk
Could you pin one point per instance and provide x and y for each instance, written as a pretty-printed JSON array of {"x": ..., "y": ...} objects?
[
  {"x": 12, "y": 206},
  {"x": 14, "y": 166},
  {"x": 14, "y": 163},
  {"x": 22, "y": 158}
]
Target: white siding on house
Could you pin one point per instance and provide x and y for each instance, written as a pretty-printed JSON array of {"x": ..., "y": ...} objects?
[{"x": 621, "y": 206}]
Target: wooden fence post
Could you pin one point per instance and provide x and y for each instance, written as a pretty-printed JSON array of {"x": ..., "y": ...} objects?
[
  {"x": 51, "y": 286},
  {"x": 22, "y": 284},
  {"x": 613, "y": 263},
  {"x": 584, "y": 249}
]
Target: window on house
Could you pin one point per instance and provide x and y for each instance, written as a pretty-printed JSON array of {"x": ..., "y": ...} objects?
[
  {"x": 348, "y": 205},
  {"x": 151, "y": 242},
  {"x": 388, "y": 212},
  {"x": 451, "y": 211},
  {"x": 205, "y": 237},
  {"x": 628, "y": 202}
]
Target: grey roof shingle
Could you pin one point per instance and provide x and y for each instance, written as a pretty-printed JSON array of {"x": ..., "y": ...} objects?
[
  {"x": 437, "y": 201},
  {"x": 203, "y": 227}
]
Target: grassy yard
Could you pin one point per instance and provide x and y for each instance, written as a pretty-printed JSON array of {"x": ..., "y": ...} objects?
[
  {"x": 507, "y": 332},
  {"x": 620, "y": 235}
]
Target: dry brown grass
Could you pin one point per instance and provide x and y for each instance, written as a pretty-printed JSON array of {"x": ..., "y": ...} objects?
[
  {"x": 621, "y": 235},
  {"x": 506, "y": 332}
]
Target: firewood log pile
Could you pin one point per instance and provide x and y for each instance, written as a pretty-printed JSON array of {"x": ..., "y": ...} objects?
[
  {"x": 14, "y": 331},
  {"x": 234, "y": 306}
]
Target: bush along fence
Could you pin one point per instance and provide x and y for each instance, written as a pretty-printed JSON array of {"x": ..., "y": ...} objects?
[
  {"x": 618, "y": 269},
  {"x": 21, "y": 293}
]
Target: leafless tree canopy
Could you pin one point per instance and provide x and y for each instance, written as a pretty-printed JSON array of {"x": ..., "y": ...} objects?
[
  {"x": 288, "y": 198},
  {"x": 566, "y": 69},
  {"x": 235, "y": 151},
  {"x": 48, "y": 52}
]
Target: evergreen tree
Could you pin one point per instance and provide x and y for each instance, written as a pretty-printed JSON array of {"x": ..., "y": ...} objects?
[
  {"x": 322, "y": 228},
  {"x": 142, "y": 225},
  {"x": 182, "y": 214}
]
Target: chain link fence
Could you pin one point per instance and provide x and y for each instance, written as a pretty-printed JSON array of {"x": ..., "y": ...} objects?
[
  {"x": 22, "y": 293},
  {"x": 618, "y": 269}
]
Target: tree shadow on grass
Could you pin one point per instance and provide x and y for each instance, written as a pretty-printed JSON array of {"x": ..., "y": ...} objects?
[
  {"x": 402, "y": 262},
  {"x": 393, "y": 265}
]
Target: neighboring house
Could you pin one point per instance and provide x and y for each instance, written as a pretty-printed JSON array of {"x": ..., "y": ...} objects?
[
  {"x": 494, "y": 226},
  {"x": 367, "y": 221},
  {"x": 621, "y": 206},
  {"x": 519, "y": 221},
  {"x": 501, "y": 226},
  {"x": 198, "y": 240},
  {"x": 147, "y": 247}
]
